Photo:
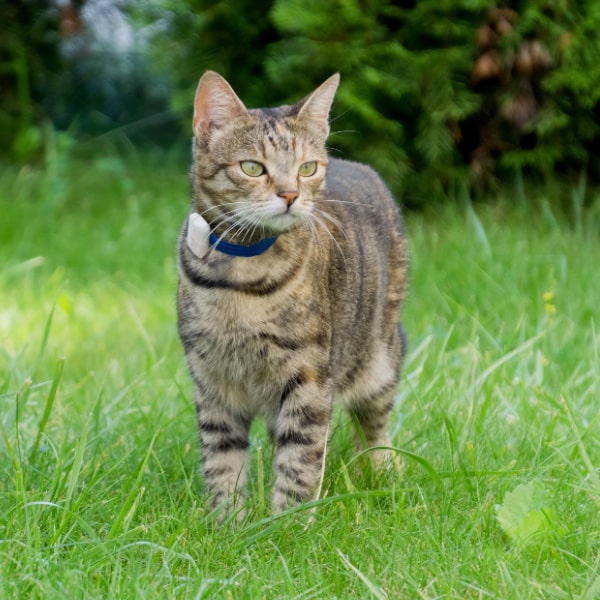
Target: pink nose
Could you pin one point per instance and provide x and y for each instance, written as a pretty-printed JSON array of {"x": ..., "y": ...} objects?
[{"x": 289, "y": 197}]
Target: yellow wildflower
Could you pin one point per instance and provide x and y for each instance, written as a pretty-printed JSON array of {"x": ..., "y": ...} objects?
[
  {"x": 548, "y": 296},
  {"x": 549, "y": 306}
]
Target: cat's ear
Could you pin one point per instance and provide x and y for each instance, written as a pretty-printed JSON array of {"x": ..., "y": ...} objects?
[
  {"x": 316, "y": 107},
  {"x": 215, "y": 104}
]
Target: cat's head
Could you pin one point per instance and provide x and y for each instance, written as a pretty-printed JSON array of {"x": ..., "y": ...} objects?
[{"x": 259, "y": 169}]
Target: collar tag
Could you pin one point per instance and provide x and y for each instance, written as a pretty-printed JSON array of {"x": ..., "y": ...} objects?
[{"x": 197, "y": 235}]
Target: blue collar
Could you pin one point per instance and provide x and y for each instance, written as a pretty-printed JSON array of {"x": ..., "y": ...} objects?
[{"x": 239, "y": 249}]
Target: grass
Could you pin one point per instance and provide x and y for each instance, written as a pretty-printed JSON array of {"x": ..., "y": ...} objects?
[{"x": 100, "y": 492}]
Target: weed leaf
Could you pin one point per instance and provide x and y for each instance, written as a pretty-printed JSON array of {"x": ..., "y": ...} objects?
[{"x": 526, "y": 515}]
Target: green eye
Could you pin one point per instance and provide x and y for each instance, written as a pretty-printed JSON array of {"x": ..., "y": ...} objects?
[
  {"x": 308, "y": 169},
  {"x": 252, "y": 168}
]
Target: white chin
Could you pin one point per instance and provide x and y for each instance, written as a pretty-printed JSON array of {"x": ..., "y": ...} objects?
[{"x": 283, "y": 222}]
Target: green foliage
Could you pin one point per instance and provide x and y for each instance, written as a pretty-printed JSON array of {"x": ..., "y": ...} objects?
[
  {"x": 403, "y": 81},
  {"x": 433, "y": 93},
  {"x": 62, "y": 70},
  {"x": 526, "y": 514},
  {"x": 570, "y": 120},
  {"x": 28, "y": 53},
  {"x": 417, "y": 105},
  {"x": 228, "y": 37}
]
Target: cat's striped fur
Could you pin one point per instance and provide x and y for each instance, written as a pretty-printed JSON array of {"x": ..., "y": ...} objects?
[{"x": 313, "y": 319}]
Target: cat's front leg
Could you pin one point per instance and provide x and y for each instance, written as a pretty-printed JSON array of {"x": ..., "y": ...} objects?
[
  {"x": 301, "y": 434},
  {"x": 224, "y": 441}
]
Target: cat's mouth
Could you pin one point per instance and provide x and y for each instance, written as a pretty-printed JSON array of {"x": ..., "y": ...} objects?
[
  {"x": 282, "y": 222},
  {"x": 281, "y": 217}
]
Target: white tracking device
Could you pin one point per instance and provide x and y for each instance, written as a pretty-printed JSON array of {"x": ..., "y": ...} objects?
[{"x": 197, "y": 235}]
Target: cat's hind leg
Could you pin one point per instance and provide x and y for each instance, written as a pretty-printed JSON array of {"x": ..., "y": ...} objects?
[
  {"x": 371, "y": 400},
  {"x": 371, "y": 418}
]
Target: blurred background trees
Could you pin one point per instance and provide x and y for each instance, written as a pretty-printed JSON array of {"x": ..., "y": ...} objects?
[
  {"x": 435, "y": 94},
  {"x": 77, "y": 67}
]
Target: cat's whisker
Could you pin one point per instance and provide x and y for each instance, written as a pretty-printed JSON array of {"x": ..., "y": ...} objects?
[
  {"x": 236, "y": 211},
  {"x": 318, "y": 220},
  {"x": 218, "y": 207},
  {"x": 254, "y": 221},
  {"x": 331, "y": 200},
  {"x": 335, "y": 222},
  {"x": 230, "y": 222},
  {"x": 310, "y": 223},
  {"x": 338, "y": 131},
  {"x": 315, "y": 236},
  {"x": 333, "y": 149},
  {"x": 241, "y": 218},
  {"x": 235, "y": 215},
  {"x": 221, "y": 217},
  {"x": 222, "y": 236}
]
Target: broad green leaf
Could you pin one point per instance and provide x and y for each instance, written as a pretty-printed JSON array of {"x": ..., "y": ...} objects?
[{"x": 526, "y": 515}]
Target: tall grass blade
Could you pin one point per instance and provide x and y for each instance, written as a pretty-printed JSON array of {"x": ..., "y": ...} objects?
[
  {"x": 592, "y": 470},
  {"x": 479, "y": 230},
  {"x": 20, "y": 400},
  {"x": 578, "y": 196},
  {"x": 46, "y": 334},
  {"x": 593, "y": 592},
  {"x": 72, "y": 482},
  {"x": 260, "y": 478},
  {"x": 504, "y": 359},
  {"x": 19, "y": 480},
  {"x": 48, "y": 408},
  {"x": 376, "y": 591},
  {"x": 135, "y": 493},
  {"x": 418, "y": 459}
]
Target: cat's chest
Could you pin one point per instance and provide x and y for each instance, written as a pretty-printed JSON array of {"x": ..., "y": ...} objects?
[
  {"x": 252, "y": 345},
  {"x": 234, "y": 316},
  {"x": 256, "y": 319}
]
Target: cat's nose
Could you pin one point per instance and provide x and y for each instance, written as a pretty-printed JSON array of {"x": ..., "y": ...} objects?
[{"x": 289, "y": 197}]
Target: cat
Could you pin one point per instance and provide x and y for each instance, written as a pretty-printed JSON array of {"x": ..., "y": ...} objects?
[{"x": 292, "y": 271}]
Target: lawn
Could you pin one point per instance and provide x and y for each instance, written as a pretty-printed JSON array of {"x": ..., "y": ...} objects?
[{"x": 497, "y": 419}]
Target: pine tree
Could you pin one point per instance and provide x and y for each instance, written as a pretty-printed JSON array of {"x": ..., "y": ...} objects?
[
  {"x": 435, "y": 94},
  {"x": 405, "y": 69}
]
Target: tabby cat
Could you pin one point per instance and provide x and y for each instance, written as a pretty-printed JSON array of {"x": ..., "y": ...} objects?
[{"x": 292, "y": 269}]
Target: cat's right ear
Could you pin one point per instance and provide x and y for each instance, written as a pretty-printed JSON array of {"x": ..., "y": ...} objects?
[{"x": 215, "y": 104}]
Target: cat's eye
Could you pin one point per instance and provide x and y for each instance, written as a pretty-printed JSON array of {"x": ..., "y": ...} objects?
[
  {"x": 308, "y": 169},
  {"x": 252, "y": 168}
]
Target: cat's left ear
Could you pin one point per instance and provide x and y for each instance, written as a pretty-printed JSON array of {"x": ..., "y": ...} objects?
[{"x": 317, "y": 106}]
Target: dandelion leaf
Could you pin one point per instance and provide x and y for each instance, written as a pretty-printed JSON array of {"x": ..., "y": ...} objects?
[{"x": 525, "y": 515}]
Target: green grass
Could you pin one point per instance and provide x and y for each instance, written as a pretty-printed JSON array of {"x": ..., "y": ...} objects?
[{"x": 100, "y": 491}]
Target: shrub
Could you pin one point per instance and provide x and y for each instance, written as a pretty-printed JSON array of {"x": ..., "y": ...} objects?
[
  {"x": 28, "y": 52},
  {"x": 405, "y": 73},
  {"x": 435, "y": 94}
]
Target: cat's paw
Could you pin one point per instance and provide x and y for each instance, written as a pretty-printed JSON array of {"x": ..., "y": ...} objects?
[{"x": 387, "y": 459}]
